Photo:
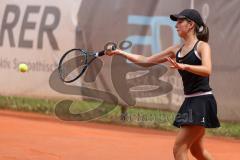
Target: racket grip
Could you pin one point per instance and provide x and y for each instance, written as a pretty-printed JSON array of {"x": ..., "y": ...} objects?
[{"x": 101, "y": 53}]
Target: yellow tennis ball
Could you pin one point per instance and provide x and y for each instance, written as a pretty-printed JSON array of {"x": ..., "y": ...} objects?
[{"x": 23, "y": 67}]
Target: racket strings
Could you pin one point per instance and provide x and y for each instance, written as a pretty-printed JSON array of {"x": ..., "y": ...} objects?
[{"x": 73, "y": 64}]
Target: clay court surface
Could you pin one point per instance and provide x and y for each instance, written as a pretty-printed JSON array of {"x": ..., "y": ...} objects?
[{"x": 28, "y": 136}]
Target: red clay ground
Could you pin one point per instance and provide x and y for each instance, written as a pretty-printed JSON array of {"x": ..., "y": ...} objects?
[{"x": 28, "y": 136}]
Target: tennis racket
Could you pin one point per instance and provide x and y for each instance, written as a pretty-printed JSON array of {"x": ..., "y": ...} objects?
[{"x": 75, "y": 62}]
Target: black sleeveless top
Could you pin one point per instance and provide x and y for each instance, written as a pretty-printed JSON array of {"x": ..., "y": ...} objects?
[{"x": 192, "y": 83}]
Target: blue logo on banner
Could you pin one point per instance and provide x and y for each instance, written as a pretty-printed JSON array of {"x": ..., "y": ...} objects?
[{"x": 154, "y": 39}]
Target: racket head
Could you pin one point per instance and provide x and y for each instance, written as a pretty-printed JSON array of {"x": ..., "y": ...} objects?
[{"x": 72, "y": 65}]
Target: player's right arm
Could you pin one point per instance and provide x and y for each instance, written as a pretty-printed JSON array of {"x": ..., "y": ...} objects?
[{"x": 147, "y": 61}]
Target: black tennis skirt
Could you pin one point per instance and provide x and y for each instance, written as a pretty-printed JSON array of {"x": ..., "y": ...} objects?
[{"x": 199, "y": 110}]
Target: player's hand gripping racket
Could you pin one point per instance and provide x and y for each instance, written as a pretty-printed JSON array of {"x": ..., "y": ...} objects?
[{"x": 75, "y": 62}]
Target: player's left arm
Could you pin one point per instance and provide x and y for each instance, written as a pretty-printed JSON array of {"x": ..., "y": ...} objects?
[{"x": 205, "y": 69}]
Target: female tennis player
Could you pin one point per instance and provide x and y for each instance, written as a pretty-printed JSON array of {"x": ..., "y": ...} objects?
[{"x": 192, "y": 59}]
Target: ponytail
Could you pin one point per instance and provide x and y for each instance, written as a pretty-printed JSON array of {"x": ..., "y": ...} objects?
[{"x": 202, "y": 33}]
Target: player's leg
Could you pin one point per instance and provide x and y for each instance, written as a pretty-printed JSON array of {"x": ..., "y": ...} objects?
[
  {"x": 185, "y": 138},
  {"x": 198, "y": 150}
]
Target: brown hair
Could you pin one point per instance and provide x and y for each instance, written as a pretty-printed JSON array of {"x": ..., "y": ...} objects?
[{"x": 202, "y": 33}]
